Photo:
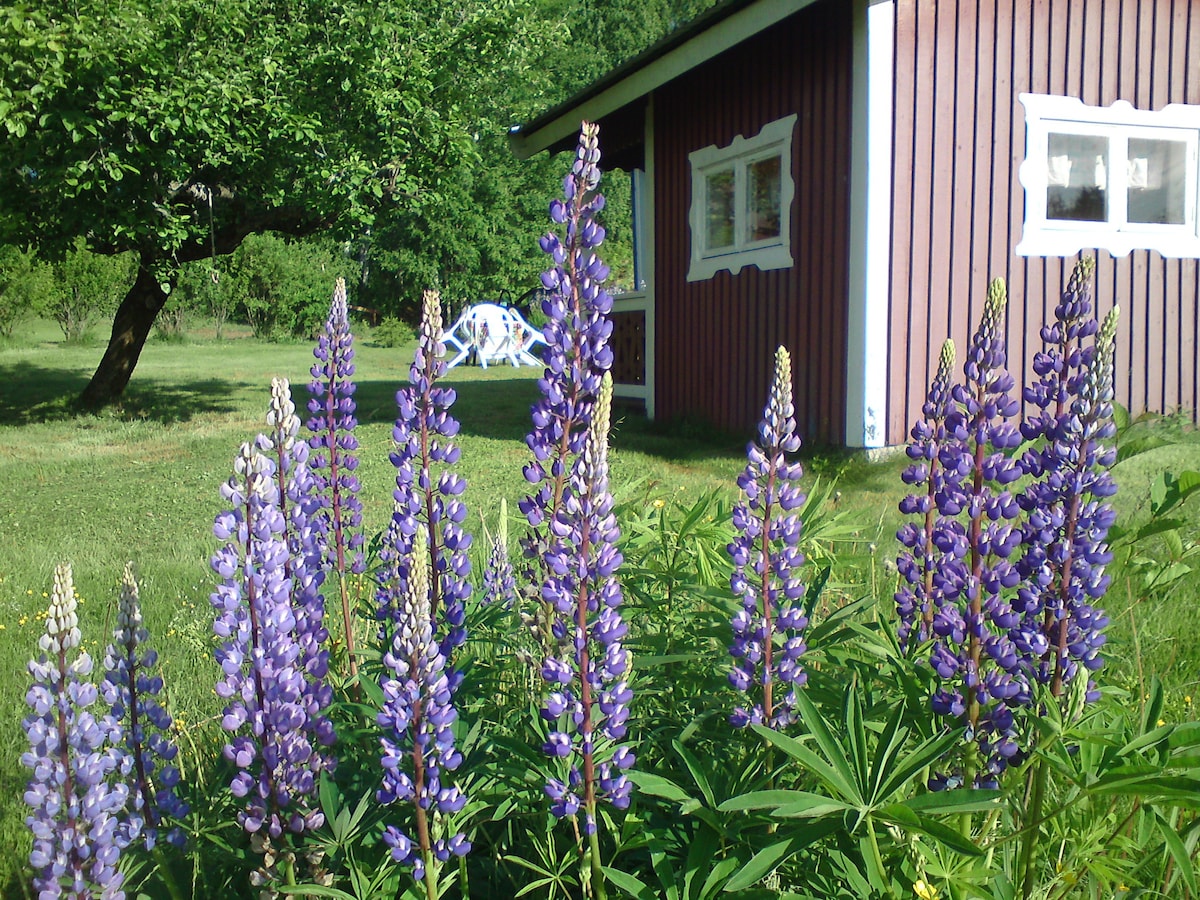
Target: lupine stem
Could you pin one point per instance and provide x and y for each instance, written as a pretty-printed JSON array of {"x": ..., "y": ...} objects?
[
  {"x": 599, "y": 892},
  {"x": 163, "y": 870}
]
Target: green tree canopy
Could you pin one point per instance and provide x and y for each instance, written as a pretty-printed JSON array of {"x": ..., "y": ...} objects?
[{"x": 175, "y": 128}]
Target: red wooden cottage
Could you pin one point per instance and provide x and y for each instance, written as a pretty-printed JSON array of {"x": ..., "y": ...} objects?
[{"x": 845, "y": 176}]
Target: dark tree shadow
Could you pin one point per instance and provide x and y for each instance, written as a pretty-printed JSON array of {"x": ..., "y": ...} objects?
[
  {"x": 495, "y": 406},
  {"x": 37, "y": 394}
]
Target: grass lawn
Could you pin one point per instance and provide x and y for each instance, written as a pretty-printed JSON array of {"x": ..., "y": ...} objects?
[{"x": 140, "y": 482}]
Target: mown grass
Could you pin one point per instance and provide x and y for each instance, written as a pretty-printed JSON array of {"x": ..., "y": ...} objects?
[{"x": 140, "y": 482}]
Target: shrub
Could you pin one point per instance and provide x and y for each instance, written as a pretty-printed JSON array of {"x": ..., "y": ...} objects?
[{"x": 391, "y": 333}]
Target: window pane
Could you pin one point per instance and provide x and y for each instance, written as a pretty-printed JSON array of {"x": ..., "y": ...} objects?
[
  {"x": 718, "y": 194},
  {"x": 762, "y": 199},
  {"x": 1156, "y": 181},
  {"x": 1077, "y": 178}
]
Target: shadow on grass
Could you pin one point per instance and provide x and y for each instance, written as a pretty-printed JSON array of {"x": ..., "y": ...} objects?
[
  {"x": 498, "y": 407},
  {"x": 37, "y": 395}
]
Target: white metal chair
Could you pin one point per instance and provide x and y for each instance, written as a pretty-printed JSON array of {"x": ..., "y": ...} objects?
[{"x": 493, "y": 333}]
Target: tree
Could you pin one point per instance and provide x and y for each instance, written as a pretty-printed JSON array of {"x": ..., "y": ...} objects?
[
  {"x": 23, "y": 285},
  {"x": 175, "y": 128},
  {"x": 282, "y": 288},
  {"x": 83, "y": 287}
]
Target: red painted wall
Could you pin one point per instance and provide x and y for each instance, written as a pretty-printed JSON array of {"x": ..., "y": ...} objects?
[
  {"x": 959, "y": 207},
  {"x": 716, "y": 338}
]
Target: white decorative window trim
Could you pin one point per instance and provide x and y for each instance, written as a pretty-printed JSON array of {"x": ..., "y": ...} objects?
[
  {"x": 1119, "y": 124},
  {"x": 774, "y": 140}
]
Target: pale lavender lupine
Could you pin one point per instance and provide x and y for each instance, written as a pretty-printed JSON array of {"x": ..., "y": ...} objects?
[
  {"x": 263, "y": 682},
  {"x": 925, "y": 543},
  {"x": 77, "y": 790},
  {"x": 333, "y": 460},
  {"x": 588, "y": 704},
  {"x": 131, "y": 688},
  {"x": 768, "y": 630},
  {"x": 305, "y": 564},
  {"x": 428, "y": 493},
  {"x": 576, "y": 353},
  {"x": 418, "y": 744},
  {"x": 570, "y": 548},
  {"x": 499, "y": 582}
]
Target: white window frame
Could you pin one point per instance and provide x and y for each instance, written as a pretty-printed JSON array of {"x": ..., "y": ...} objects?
[
  {"x": 774, "y": 139},
  {"x": 1119, "y": 123}
]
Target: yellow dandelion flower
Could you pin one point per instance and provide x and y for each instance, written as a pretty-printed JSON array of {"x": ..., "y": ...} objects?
[
  {"x": 1188, "y": 699},
  {"x": 1162, "y": 722},
  {"x": 925, "y": 891},
  {"x": 660, "y": 503}
]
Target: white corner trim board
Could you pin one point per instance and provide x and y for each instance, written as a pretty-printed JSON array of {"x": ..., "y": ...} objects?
[{"x": 1111, "y": 177}]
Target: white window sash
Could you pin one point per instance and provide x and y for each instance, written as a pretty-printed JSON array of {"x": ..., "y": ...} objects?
[
  {"x": 773, "y": 140},
  {"x": 1119, "y": 123}
]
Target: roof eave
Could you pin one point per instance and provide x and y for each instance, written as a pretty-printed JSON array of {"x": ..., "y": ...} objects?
[{"x": 693, "y": 45}]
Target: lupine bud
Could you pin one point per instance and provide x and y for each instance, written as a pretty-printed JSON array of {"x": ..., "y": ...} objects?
[
  {"x": 333, "y": 461},
  {"x": 981, "y": 677},
  {"x": 428, "y": 494},
  {"x": 499, "y": 584},
  {"x": 589, "y": 693},
  {"x": 920, "y": 593}
]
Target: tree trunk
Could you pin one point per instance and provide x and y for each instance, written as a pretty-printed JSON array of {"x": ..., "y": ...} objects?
[{"x": 131, "y": 327}]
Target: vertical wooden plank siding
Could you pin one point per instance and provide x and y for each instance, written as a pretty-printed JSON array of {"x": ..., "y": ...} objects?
[
  {"x": 716, "y": 338},
  {"x": 958, "y": 206}
]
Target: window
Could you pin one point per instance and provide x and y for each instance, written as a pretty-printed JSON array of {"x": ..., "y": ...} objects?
[
  {"x": 1113, "y": 177},
  {"x": 741, "y": 203}
]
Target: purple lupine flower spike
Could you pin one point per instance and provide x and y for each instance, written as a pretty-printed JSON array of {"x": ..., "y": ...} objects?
[
  {"x": 499, "y": 583},
  {"x": 1060, "y": 367},
  {"x": 428, "y": 494},
  {"x": 333, "y": 459},
  {"x": 921, "y": 560},
  {"x": 1068, "y": 523},
  {"x": 418, "y": 745},
  {"x": 131, "y": 690},
  {"x": 588, "y": 703},
  {"x": 78, "y": 806},
  {"x": 263, "y": 682},
  {"x": 576, "y": 356},
  {"x": 305, "y": 564},
  {"x": 979, "y": 668},
  {"x": 768, "y": 630}
]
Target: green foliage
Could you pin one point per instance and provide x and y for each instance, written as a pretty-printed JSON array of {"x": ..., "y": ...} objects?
[
  {"x": 392, "y": 333},
  {"x": 85, "y": 288},
  {"x": 125, "y": 121},
  {"x": 1163, "y": 551},
  {"x": 24, "y": 285},
  {"x": 281, "y": 288}
]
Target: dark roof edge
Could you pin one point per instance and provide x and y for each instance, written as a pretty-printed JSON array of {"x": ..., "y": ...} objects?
[{"x": 525, "y": 138}]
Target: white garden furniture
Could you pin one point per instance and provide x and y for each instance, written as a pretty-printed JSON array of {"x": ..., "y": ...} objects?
[{"x": 493, "y": 333}]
